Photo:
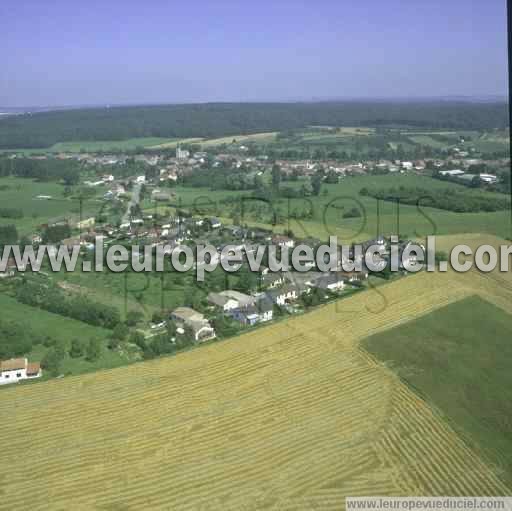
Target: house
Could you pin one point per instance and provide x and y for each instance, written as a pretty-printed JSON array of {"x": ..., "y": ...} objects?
[
  {"x": 17, "y": 369},
  {"x": 488, "y": 178},
  {"x": 454, "y": 172},
  {"x": 215, "y": 223},
  {"x": 223, "y": 302},
  {"x": 201, "y": 328},
  {"x": 282, "y": 241},
  {"x": 272, "y": 280},
  {"x": 329, "y": 282},
  {"x": 354, "y": 276},
  {"x": 230, "y": 299},
  {"x": 260, "y": 311},
  {"x": 10, "y": 269},
  {"x": 407, "y": 165},
  {"x": 282, "y": 295},
  {"x": 86, "y": 224}
]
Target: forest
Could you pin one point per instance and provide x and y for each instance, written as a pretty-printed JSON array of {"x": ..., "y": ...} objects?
[{"x": 43, "y": 129}]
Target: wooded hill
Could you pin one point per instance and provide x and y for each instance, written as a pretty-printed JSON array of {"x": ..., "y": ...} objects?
[{"x": 43, "y": 129}]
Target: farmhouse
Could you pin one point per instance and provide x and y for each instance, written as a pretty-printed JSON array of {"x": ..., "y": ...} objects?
[
  {"x": 201, "y": 328},
  {"x": 17, "y": 369}
]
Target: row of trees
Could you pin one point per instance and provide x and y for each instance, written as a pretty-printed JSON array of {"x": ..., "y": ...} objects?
[
  {"x": 78, "y": 307},
  {"x": 44, "y": 170},
  {"x": 450, "y": 199}
]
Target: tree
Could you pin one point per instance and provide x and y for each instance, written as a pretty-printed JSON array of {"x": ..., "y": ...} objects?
[
  {"x": 316, "y": 183},
  {"x": 93, "y": 351},
  {"x": 52, "y": 361},
  {"x": 120, "y": 332},
  {"x": 77, "y": 348},
  {"x": 138, "y": 339},
  {"x": 276, "y": 176}
]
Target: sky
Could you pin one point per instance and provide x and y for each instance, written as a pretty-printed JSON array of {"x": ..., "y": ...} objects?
[{"x": 68, "y": 52}]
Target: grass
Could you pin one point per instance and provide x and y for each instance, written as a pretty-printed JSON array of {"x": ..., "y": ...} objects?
[
  {"x": 96, "y": 146},
  {"x": 458, "y": 359},
  {"x": 63, "y": 330},
  {"x": 21, "y": 193},
  {"x": 335, "y": 199}
]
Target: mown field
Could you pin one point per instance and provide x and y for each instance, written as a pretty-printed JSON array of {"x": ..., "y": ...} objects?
[
  {"x": 458, "y": 359},
  {"x": 294, "y": 416}
]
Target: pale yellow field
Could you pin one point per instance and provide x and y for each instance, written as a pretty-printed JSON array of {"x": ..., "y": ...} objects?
[
  {"x": 174, "y": 143},
  {"x": 241, "y": 139},
  {"x": 291, "y": 417}
]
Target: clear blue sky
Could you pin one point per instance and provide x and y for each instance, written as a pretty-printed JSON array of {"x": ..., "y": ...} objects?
[{"x": 65, "y": 52}]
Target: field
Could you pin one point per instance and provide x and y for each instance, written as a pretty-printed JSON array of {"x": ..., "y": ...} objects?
[
  {"x": 21, "y": 193},
  {"x": 460, "y": 369},
  {"x": 105, "y": 146},
  {"x": 335, "y": 199},
  {"x": 63, "y": 330},
  {"x": 294, "y": 416}
]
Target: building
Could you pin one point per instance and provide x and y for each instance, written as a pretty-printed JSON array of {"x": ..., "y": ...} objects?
[
  {"x": 272, "y": 280},
  {"x": 18, "y": 369},
  {"x": 282, "y": 295},
  {"x": 330, "y": 282},
  {"x": 259, "y": 312},
  {"x": 182, "y": 154},
  {"x": 86, "y": 224},
  {"x": 229, "y": 299},
  {"x": 282, "y": 241},
  {"x": 201, "y": 328},
  {"x": 488, "y": 178}
]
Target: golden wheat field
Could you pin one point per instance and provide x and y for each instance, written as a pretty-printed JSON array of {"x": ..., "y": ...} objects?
[{"x": 294, "y": 416}]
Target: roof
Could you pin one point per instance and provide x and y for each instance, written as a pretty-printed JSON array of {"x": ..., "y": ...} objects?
[
  {"x": 218, "y": 299},
  {"x": 13, "y": 364},
  {"x": 187, "y": 314},
  {"x": 33, "y": 368},
  {"x": 241, "y": 298}
]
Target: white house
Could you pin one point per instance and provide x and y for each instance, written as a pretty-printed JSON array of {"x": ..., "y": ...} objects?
[
  {"x": 488, "y": 178},
  {"x": 282, "y": 241},
  {"x": 330, "y": 282},
  {"x": 201, "y": 328},
  {"x": 229, "y": 300},
  {"x": 17, "y": 369}
]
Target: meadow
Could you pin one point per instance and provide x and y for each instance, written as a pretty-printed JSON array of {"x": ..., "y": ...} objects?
[
  {"x": 60, "y": 330},
  {"x": 335, "y": 199},
  {"x": 461, "y": 370},
  {"x": 295, "y": 415},
  {"x": 22, "y": 193}
]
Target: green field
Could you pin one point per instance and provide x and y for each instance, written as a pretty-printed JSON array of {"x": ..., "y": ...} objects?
[
  {"x": 335, "y": 199},
  {"x": 96, "y": 146},
  {"x": 458, "y": 360},
  {"x": 21, "y": 193},
  {"x": 61, "y": 329}
]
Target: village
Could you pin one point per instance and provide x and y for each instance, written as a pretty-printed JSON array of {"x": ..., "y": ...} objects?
[{"x": 142, "y": 208}]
